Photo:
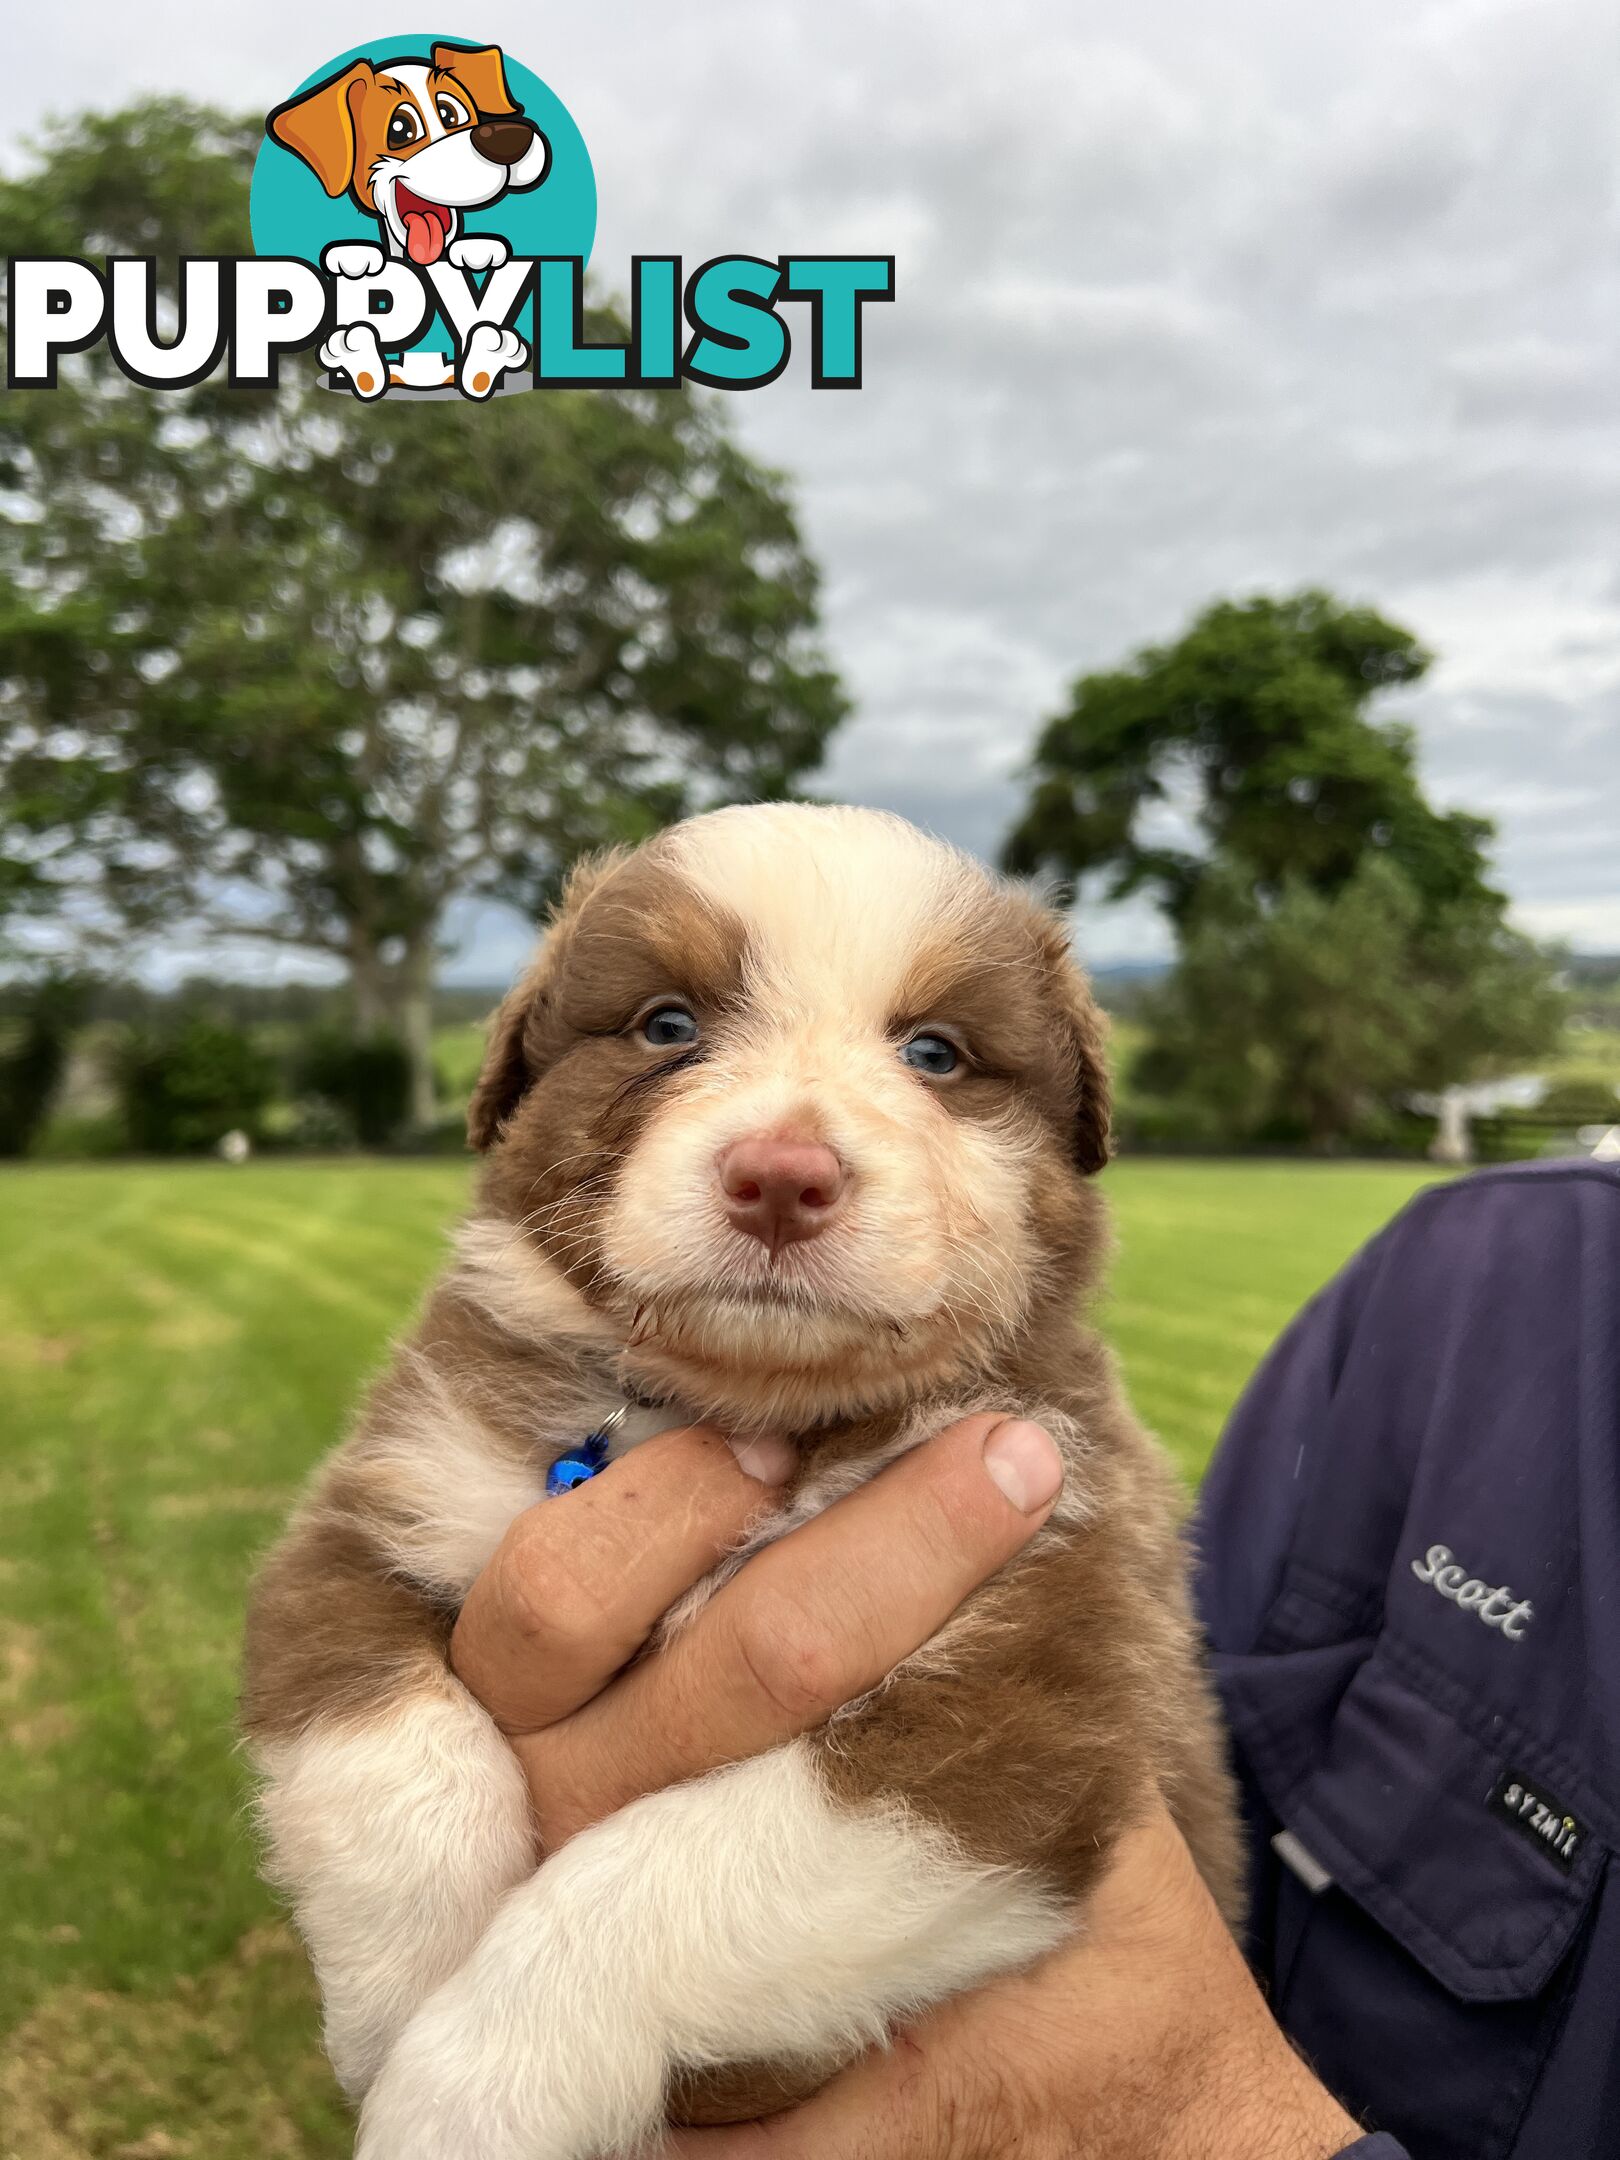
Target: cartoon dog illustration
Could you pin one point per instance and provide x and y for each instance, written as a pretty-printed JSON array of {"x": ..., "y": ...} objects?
[{"x": 415, "y": 142}]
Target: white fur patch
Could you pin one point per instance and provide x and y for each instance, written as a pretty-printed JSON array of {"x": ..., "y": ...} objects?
[
  {"x": 452, "y": 1490},
  {"x": 502, "y": 1270},
  {"x": 741, "y": 1917},
  {"x": 643, "y": 1422},
  {"x": 395, "y": 1843},
  {"x": 837, "y": 900}
]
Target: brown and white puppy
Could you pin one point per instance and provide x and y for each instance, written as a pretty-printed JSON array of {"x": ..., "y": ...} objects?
[{"x": 792, "y": 1123}]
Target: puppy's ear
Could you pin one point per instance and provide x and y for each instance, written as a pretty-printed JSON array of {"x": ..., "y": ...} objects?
[
  {"x": 481, "y": 73},
  {"x": 319, "y": 126},
  {"x": 1085, "y": 1029},
  {"x": 504, "y": 1075},
  {"x": 514, "y": 1054}
]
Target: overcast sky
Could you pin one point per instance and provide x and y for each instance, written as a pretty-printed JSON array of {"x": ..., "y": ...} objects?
[{"x": 1191, "y": 300}]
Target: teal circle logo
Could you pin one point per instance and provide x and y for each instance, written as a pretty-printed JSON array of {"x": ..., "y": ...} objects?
[{"x": 426, "y": 150}]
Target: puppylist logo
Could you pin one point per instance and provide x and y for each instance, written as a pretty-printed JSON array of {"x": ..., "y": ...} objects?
[{"x": 422, "y": 212}]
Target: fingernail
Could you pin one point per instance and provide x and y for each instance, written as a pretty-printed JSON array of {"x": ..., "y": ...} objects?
[
  {"x": 766, "y": 1456},
  {"x": 1023, "y": 1460}
]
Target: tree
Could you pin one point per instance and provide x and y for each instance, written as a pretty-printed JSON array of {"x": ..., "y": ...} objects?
[
  {"x": 1301, "y": 1018},
  {"x": 1340, "y": 941},
  {"x": 1254, "y": 725},
  {"x": 36, "y": 1030},
  {"x": 281, "y": 667},
  {"x": 366, "y": 1083}
]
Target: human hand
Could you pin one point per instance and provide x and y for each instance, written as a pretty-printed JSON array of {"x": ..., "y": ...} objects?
[
  {"x": 1143, "y": 2039},
  {"x": 580, "y": 1582}
]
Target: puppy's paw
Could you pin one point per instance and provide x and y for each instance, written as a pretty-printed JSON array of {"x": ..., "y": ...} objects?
[
  {"x": 352, "y": 259},
  {"x": 423, "y": 2107},
  {"x": 478, "y": 251},
  {"x": 485, "y": 2074},
  {"x": 490, "y": 352},
  {"x": 355, "y": 351}
]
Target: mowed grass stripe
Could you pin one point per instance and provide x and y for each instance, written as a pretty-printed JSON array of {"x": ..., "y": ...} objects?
[
  {"x": 1213, "y": 1261},
  {"x": 178, "y": 1346},
  {"x": 181, "y": 1366}
]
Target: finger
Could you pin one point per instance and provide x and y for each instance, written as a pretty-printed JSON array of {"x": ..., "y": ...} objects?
[
  {"x": 815, "y": 1621},
  {"x": 579, "y": 1582}
]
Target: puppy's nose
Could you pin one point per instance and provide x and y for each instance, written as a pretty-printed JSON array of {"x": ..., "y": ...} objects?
[
  {"x": 780, "y": 1191},
  {"x": 503, "y": 142}
]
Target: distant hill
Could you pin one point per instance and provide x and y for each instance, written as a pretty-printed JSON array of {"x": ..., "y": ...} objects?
[{"x": 1119, "y": 989}]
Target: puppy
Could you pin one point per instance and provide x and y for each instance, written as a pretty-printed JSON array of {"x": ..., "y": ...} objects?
[
  {"x": 415, "y": 143},
  {"x": 791, "y": 1125}
]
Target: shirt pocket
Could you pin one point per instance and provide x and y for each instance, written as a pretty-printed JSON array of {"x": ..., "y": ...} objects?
[{"x": 1426, "y": 1981}]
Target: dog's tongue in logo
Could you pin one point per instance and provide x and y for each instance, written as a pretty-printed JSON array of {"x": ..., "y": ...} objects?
[
  {"x": 421, "y": 142},
  {"x": 427, "y": 225},
  {"x": 424, "y": 237}
]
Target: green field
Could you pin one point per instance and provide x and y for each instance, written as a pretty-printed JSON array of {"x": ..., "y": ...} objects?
[{"x": 177, "y": 1346}]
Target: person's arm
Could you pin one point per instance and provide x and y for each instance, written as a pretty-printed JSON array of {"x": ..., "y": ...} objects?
[{"x": 1145, "y": 2038}]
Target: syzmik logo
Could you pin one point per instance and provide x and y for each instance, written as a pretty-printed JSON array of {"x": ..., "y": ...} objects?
[{"x": 422, "y": 213}]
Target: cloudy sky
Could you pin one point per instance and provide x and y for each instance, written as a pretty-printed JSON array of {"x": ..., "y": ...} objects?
[{"x": 1191, "y": 300}]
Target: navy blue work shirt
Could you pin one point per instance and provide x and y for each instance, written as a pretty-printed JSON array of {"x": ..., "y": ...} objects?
[{"x": 1410, "y": 1576}]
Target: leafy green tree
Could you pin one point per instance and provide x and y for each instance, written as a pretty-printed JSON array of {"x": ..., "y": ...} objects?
[
  {"x": 282, "y": 667},
  {"x": 1302, "y": 1018},
  {"x": 1254, "y": 726},
  {"x": 1340, "y": 940}
]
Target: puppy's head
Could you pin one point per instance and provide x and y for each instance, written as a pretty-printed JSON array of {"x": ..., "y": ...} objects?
[
  {"x": 804, "y": 1101},
  {"x": 416, "y": 141}
]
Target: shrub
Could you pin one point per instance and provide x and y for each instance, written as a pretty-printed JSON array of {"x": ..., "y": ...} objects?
[
  {"x": 368, "y": 1082},
  {"x": 1583, "y": 1099},
  {"x": 81, "y": 1136},
  {"x": 311, "y": 1126},
  {"x": 182, "y": 1091}
]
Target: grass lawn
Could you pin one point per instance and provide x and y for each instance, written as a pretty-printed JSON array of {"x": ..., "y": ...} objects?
[
  {"x": 177, "y": 1346},
  {"x": 458, "y": 1052}
]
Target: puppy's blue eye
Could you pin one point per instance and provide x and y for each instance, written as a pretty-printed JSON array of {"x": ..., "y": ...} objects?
[
  {"x": 669, "y": 1027},
  {"x": 931, "y": 1054}
]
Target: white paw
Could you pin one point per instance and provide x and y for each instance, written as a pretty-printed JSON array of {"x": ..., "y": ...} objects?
[
  {"x": 352, "y": 259},
  {"x": 515, "y": 2058},
  {"x": 355, "y": 350},
  {"x": 490, "y": 352},
  {"x": 441, "y": 2096},
  {"x": 478, "y": 251}
]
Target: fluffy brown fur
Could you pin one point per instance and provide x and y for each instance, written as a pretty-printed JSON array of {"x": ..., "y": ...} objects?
[{"x": 1033, "y": 1727}]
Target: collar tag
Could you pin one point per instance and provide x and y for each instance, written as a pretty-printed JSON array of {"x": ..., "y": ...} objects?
[{"x": 586, "y": 1459}]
